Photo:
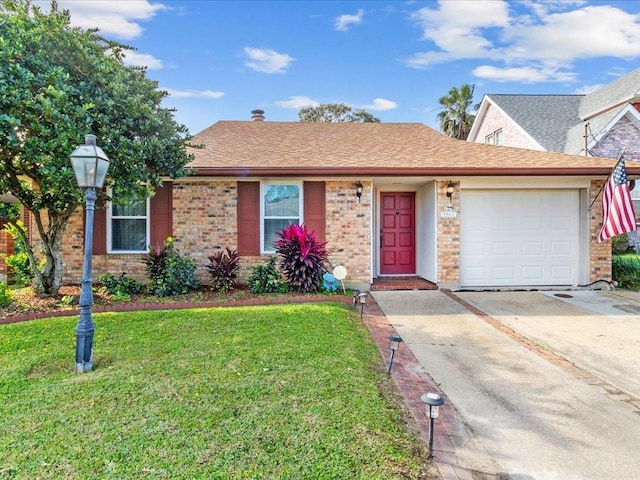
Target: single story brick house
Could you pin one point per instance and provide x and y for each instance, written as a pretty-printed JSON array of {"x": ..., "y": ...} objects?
[{"x": 458, "y": 214}]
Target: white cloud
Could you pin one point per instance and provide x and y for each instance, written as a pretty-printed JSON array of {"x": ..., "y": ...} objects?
[
  {"x": 266, "y": 60},
  {"x": 142, "y": 60},
  {"x": 585, "y": 89},
  {"x": 343, "y": 22},
  {"x": 522, "y": 74},
  {"x": 381, "y": 105},
  {"x": 194, "y": 93},
  {"x": 589, "y": 32},
  {"x": 114, "y": 18},
  {"x": 297, "y": 102},
  {"x": 539, "y": 43},
  {"x": 456, "y": 27}
]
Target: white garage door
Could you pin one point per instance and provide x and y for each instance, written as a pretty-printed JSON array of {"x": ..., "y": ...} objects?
[{"x": 519, "y": 238}]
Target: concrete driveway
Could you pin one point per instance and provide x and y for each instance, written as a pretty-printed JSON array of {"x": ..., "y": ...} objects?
[{"x": 546, "y": 382}]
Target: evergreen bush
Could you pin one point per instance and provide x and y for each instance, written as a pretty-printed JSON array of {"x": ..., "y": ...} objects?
[
  {"x": 267, "y": 279},
  {"x": 169, "y": 273}
]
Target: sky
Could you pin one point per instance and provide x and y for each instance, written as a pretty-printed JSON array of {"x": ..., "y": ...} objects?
[{"x": 218, "y": 60}]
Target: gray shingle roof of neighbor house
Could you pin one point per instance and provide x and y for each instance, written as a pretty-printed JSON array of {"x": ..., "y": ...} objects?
[
  {"x": 559, "y": 123},
  {"x": 254, "y": 148},
  {"x": 547, "y": 118},
  {"x": 614, "y": 94}
]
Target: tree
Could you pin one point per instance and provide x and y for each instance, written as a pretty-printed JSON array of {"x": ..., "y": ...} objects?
[
  {"x": 456, "y": 118},
  {"x": 335, "y": 112},
  {"x": 58, "y": 83}
]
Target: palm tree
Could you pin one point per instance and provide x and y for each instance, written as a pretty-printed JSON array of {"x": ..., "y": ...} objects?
[{"x": 456, "y": 116}]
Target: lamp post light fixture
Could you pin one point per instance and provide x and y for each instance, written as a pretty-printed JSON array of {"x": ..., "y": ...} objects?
[
  {"x": 90, "y": 165},
  {"x": 359, "y": 188},
  {"x": 432, "y": 402},
  {"x": 362, "y": 296},
  {"x": 394, "y": 344}
]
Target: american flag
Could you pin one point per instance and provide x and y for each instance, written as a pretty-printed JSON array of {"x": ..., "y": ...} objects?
[{"x": 618, "y": 216}]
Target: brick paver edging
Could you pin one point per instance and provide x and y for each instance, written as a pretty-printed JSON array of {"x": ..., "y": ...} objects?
[{"x": 413, "y": 382}]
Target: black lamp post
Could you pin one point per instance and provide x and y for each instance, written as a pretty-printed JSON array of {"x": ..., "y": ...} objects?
[
  {"x": 90, "y": 165},
  {"x": 394, "y": 344},
  {"x": 432, "y": 402}
]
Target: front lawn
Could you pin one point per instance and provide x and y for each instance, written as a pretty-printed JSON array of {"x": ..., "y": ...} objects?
[{"x": 273, "y": 392}]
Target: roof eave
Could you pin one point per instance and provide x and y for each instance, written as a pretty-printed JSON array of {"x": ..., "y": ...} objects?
[{"x": 403, "y": 172}]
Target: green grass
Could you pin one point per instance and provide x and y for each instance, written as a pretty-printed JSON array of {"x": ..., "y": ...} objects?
[
  {"x": 626, "y": 270},
  {"x": 286, "y": 392}
]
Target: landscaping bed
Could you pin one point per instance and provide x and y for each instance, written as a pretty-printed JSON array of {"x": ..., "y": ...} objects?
[{"x": 26, "y": 304}]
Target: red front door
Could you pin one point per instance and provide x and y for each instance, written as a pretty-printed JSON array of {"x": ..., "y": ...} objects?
[{"x": 397, "y": 234}]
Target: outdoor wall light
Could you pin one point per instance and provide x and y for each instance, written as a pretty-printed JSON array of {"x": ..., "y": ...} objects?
[
  {"x": 394, "y": 344},
  {"x": 432, "y": 402},
  {"x": 362, "y": 296},
  {"x": 359, "y": 188},
  {"x": 450, "y": 189},
  {"x": 90, "y": 165}
]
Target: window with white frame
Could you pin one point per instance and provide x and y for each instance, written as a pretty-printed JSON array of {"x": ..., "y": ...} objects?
[
  {"x": 128, "y": 226},
  {"x": 497, "y": 137},
  {"x": 281, "y": 205},
  {"x": 494, "y": 138}
]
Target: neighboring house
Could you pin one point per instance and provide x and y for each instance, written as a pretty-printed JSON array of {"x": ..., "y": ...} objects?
[
  {"x": 514, "y": 218},
  {"x": 602, "y": 123}
]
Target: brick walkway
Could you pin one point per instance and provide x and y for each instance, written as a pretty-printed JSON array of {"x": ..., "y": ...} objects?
[{"x": 412, "y": 382}]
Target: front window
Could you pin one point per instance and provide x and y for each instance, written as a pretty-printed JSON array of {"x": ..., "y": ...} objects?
[
  {"x": 281, "y": 206},
  {"x": 128, "y": 226}
]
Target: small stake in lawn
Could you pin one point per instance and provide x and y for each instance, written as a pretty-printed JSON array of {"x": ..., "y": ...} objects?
[
  {"x": 394, "y": 344},
  {"x": 362, "y": 296},
  {"x": 433, "y": 402}
]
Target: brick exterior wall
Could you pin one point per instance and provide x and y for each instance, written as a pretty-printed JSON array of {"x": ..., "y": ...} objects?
[
  {"x": 511, "y": 135},
  {"x": 205, "y": 220},
  {"x": 600, "y": 253},
  {"x": 6, "y": 248},
  {"x": 624, "y": 133},
  {"x": 349, "y": 229},
  {"x": 448, "y": 237}
]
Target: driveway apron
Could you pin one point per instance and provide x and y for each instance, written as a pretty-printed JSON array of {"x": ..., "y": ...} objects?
[{"x": 546, "y": 394}]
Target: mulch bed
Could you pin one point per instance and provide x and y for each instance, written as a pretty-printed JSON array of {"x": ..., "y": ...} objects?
[{"x": 27, "y": 305}]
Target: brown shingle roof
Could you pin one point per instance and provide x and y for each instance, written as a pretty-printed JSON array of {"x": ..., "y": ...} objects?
[{"x": 307, "y": 148}]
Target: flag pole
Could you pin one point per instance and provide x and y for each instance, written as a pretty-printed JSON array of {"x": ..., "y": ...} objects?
[{"x": 624, "y": 150}]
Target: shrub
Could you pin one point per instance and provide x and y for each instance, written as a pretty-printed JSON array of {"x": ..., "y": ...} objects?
[
  {"x": 267, "y": 279},
  {"x": 121, "y": 286},
  {"x": 302, "y": 258},
  {"x": 223, "y": 268},
  {"x": 20, "y": 268},
  {"x": 626, "y": 270},
  {"x": 5, "y": 295},
  {"x": 169, "y": 272},
  {"x": 19, "y": 262},
  {"x": 620, "y": 244}
]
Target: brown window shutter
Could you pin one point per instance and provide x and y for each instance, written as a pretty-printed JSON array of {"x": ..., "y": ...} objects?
[
  {"x": 99, "y": 227},
  {"x": 314, "y": 209},
  {"x": 248, "y": 218},
  {"x": 161, "y": 206}
]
